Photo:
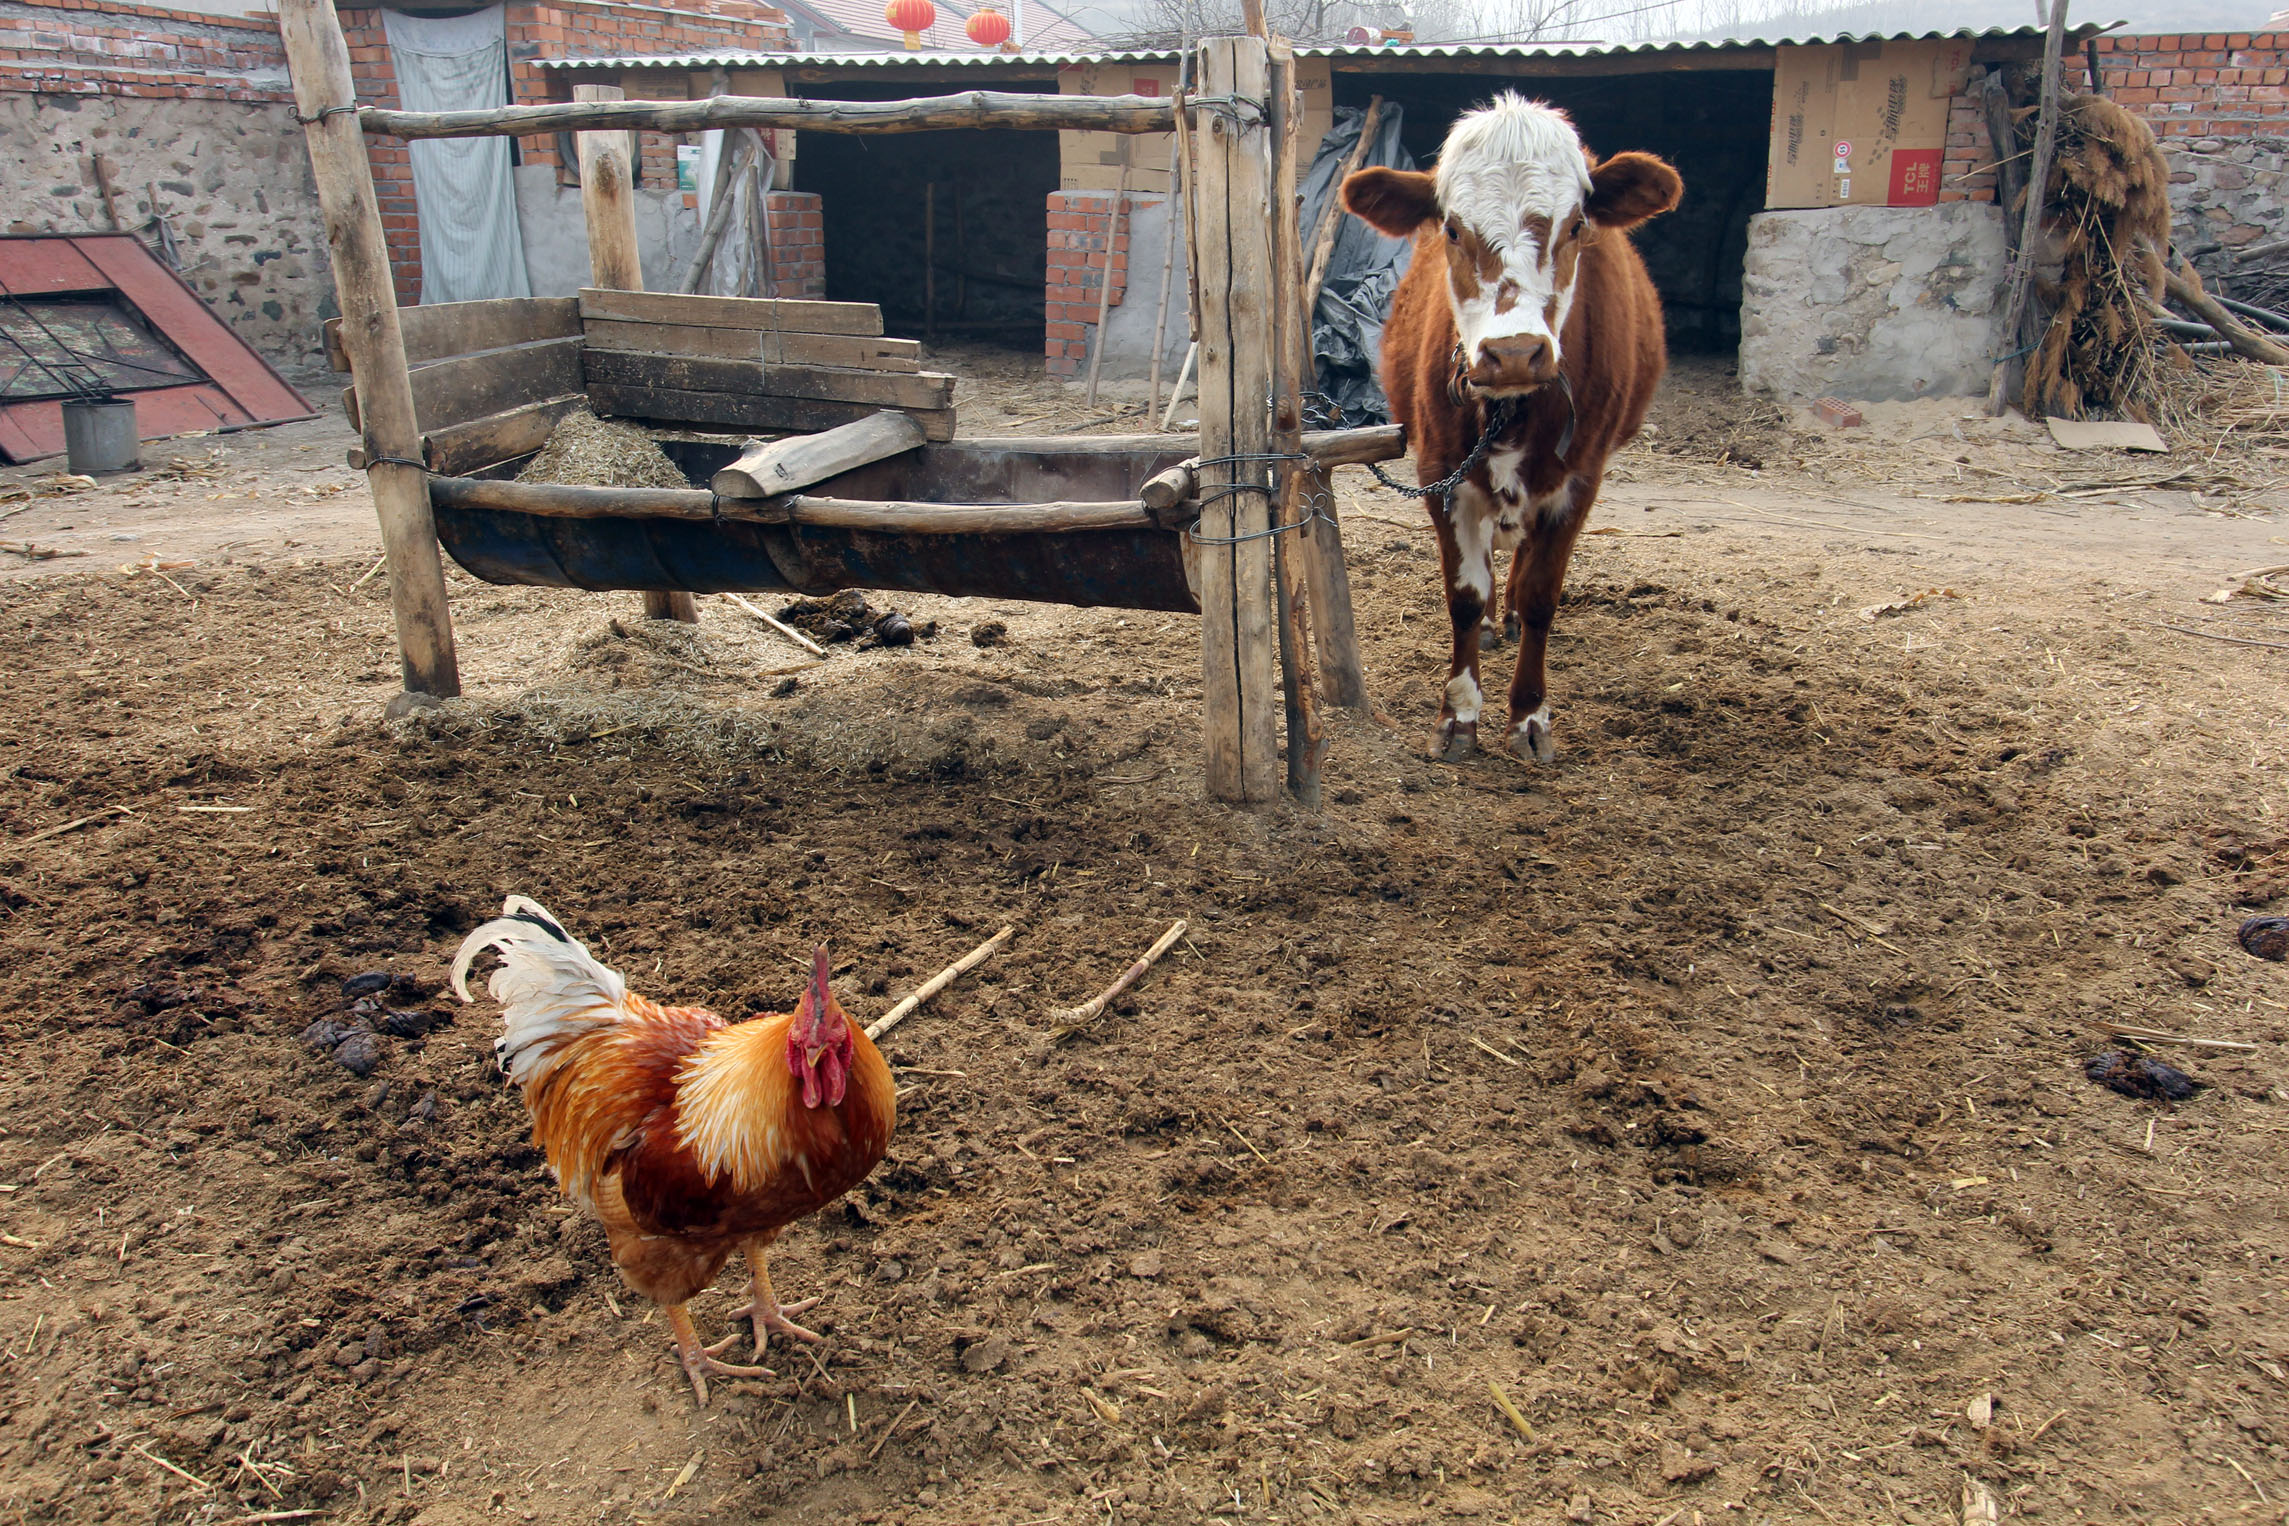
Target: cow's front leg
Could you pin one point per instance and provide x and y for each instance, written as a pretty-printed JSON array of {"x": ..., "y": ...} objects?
[
  {"x": 1537, "y": 578},
  {"x": 1466, "y": 553}
]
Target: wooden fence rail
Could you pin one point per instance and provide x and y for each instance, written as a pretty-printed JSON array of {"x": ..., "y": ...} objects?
[{"x": 971, "y": 108}]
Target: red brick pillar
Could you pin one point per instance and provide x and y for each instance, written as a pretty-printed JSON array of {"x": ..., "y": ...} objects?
[
  {"x": 798, "y": 244},
  {"x": 1079, "y": 224}
]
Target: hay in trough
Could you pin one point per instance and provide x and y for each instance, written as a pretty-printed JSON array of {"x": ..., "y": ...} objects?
[
  {"x": 592, "y": 452},
  {"x": 2108, "y": 204}
]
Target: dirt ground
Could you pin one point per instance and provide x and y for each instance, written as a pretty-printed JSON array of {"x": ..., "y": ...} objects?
[{"x": 1716, "y": 1096}]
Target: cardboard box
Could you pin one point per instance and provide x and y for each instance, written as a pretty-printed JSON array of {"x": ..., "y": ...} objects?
[{"x": 1862, "y": 124}]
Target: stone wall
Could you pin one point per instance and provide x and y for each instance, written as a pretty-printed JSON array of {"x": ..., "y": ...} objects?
[
  {"x": 2225, "y": 196},
  {"x": 193, "y": 119},
  {"x": 1872, "y": 303}
]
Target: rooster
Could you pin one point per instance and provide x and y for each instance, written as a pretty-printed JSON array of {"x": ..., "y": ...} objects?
[{"x": 686, "y": 1137}]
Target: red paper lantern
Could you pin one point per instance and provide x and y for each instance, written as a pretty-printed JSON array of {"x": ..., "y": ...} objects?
[
  {"x": 913, "y": 17},
  {"x": 988, "y": 28}
]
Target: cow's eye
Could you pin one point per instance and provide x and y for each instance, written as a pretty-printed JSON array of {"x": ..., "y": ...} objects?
[{"x": 1454, "y": 233}]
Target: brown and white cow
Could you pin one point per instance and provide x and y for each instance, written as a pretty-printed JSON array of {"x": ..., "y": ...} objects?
[{"x": 1524, "y": 287}]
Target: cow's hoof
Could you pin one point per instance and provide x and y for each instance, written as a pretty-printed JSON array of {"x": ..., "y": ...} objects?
[
  {"x": 1530, "y": 737},
  {"x": 1491, "y": 635},
  {"x": 1454, "y": 740}
]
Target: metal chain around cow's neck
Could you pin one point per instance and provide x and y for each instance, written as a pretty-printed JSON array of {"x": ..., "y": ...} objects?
[{"x": 1501, "y": 413}]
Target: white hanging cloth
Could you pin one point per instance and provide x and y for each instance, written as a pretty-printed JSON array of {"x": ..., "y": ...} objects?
[{"x": 472, "y": 246}]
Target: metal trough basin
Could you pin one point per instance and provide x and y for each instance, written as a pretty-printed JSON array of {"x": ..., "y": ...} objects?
[{"x": 1130, "y": 566}]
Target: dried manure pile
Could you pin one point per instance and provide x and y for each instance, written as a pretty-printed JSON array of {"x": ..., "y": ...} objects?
[{"x": 1717, "y": 1097}]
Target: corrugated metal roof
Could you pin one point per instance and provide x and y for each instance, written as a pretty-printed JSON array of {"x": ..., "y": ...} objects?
[{"x": 1360, "y": 52}]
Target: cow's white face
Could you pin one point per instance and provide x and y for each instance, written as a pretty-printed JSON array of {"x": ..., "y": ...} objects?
[
  {"x": 1517, "y": 198},
  {"x": 1512, "y": 182}
]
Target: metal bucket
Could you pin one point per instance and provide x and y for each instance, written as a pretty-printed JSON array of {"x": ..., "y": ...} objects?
[{"x": 101, "y": 437}]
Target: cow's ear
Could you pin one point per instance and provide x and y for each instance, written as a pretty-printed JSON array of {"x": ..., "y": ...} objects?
[
  {"x": 1629, "y": 188},
  {"x": 1396, "y": 202}
]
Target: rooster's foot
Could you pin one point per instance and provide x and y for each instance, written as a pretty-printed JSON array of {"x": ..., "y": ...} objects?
[
  {"x": 764, "y": 1308},
  {"x": 699, "y": 1361}
]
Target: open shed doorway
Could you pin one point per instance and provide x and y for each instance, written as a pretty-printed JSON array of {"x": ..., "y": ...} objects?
[
  {"x": 1712, "y": 124},
  {"x": 971, "y": 207}
]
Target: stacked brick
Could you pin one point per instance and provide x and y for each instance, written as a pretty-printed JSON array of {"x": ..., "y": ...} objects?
[
  {"x": 798, "y": 243},
  {"x": 2202, "y": 85},
  {"x": 1080, "y": 224},
  {"x": 1967, "y": 171},
  {"x": 74, "y": 47}
]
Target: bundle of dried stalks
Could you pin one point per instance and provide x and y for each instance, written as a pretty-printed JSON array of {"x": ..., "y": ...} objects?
[{"x": 2108, "y": 205}]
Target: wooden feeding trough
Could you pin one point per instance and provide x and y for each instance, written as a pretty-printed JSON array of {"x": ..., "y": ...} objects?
[{"x": 869, "y": 489}]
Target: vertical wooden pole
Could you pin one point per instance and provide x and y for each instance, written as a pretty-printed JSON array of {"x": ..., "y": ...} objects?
[
  {"x": 319, "y": 62},
  {"x": 1307, "y": 745},
  {"x": 1167, "y": 277},
  {"x": 1234, "y": 242},
  {"x": 1105, "y": 275},
  {"x": 2021, "y": 325},
  {"x": 930, "y": 262},
  {"x": 608, "y": 198}
]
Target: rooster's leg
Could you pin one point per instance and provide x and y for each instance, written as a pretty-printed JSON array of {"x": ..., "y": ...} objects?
[
  {"x": 697, "y": 1361},
  {"x": 764, "y": 1305}
]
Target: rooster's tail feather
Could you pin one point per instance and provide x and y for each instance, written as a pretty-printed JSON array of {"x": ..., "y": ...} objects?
[{"x": 551, "y": 989}]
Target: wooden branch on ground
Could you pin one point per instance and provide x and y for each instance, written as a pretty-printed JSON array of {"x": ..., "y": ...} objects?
[
  {"x": 2185, "y": 286},
  {"x": 970, "y": 108},
  {"x": 775, "y": 623},
  {"x": 1071, "y": 1019},
  {"x": 939, "y": 982}
]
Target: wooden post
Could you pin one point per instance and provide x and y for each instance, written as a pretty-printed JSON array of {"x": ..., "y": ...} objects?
[
  {"x": 1307, "y": 746},
  {"x": 1342, "y": 679},
  {"x": 930, "y": 262},
  {"x": 608, "y": 197},
  {"x": 319, "y": 61},
  {"x": 1105, "y": 276},
  {"x": 1233, "y": 238},
  {"x": 1167, "y": 277},
  {"x": 2018, "y": 302}
]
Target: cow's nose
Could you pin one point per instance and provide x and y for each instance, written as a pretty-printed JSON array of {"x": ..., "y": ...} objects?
[{"x": 1514, "y": 360}]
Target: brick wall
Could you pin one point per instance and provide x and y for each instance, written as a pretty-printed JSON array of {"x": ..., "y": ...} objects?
[
  {"x": 1079, "y": 224},
  {"x": 1967, "y": 171},
  {"x": 798, "y": 244},
  {"x": 2201, "y": 85},
  {"x": 72, "y": 48},
  {"x": 537, "y": 30}
]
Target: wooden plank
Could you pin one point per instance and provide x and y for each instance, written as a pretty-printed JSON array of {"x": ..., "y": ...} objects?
[
  {"x": 563, "y": 501},
  {"x": 967, "y": 109},
  {"x": 458, "y": 449},
  {"x": 857, "y": 352},
  {"x": 782, "y": 466},
  {"x": 790, "y": 415},
  {"x": 192, "y": 327},
  {"x": 446, "y": 329},
  {"x": 785, "y": 314},
  {"x": 1233, "y": 237},
  {"x": 318, "y": 59},
  {"x": 703, "y": 373},
  {"x": 468, "y": 387}
]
